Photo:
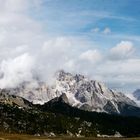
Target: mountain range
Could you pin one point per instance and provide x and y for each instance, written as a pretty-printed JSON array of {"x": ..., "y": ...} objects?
[
  {"x": 81, "y": 92},
  {"x": 73, "y": 105}
]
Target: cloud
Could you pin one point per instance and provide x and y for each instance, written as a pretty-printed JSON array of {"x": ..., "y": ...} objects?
[
  {"x": 122, "y": 50},
  {"x": 13, "y": 71},
  {"x": 18, "y": 29},
  {"x": 13, "y": 6},
  {"x": 107, "y": 30},
  {"x": 59, "y": 53},
  {"x": 122, "y": 75},
  {"x": 54, "y": 54},
  {"x": 95, "y": 30},
  {"x": 93, "y": 56}
]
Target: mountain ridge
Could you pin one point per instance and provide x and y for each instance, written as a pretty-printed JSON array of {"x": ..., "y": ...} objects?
[
  {"x": 59, "y": 118},
  {"x": 80, "y": 92}
]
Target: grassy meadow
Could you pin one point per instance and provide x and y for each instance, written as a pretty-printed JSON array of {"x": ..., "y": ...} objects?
[{"x": 30, "y": 137}]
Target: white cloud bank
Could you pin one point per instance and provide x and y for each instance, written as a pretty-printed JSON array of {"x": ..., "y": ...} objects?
[
  {"x": 14, "y": 71},
  {"x": 93, "y": 56},
  {"x": 122, "y": 50},
  {"x": 25, "y": 50}
]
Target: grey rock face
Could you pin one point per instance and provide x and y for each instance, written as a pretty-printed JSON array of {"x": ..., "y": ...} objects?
[{"x": 13, "y": 100}]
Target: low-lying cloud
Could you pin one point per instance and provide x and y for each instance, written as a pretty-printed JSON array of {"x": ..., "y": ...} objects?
[{"x": 14, "y": 71}]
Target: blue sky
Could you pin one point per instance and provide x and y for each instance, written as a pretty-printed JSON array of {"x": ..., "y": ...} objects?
[
  {"x": 80, "y": 17},
  {"x": 97, "y": 38}
]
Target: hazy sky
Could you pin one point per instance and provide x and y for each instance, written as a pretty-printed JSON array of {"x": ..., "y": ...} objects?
[{"x": 98, "y": 38}]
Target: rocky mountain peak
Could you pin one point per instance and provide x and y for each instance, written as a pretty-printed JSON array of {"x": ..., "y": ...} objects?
[{"x": 62, "y": 75}]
